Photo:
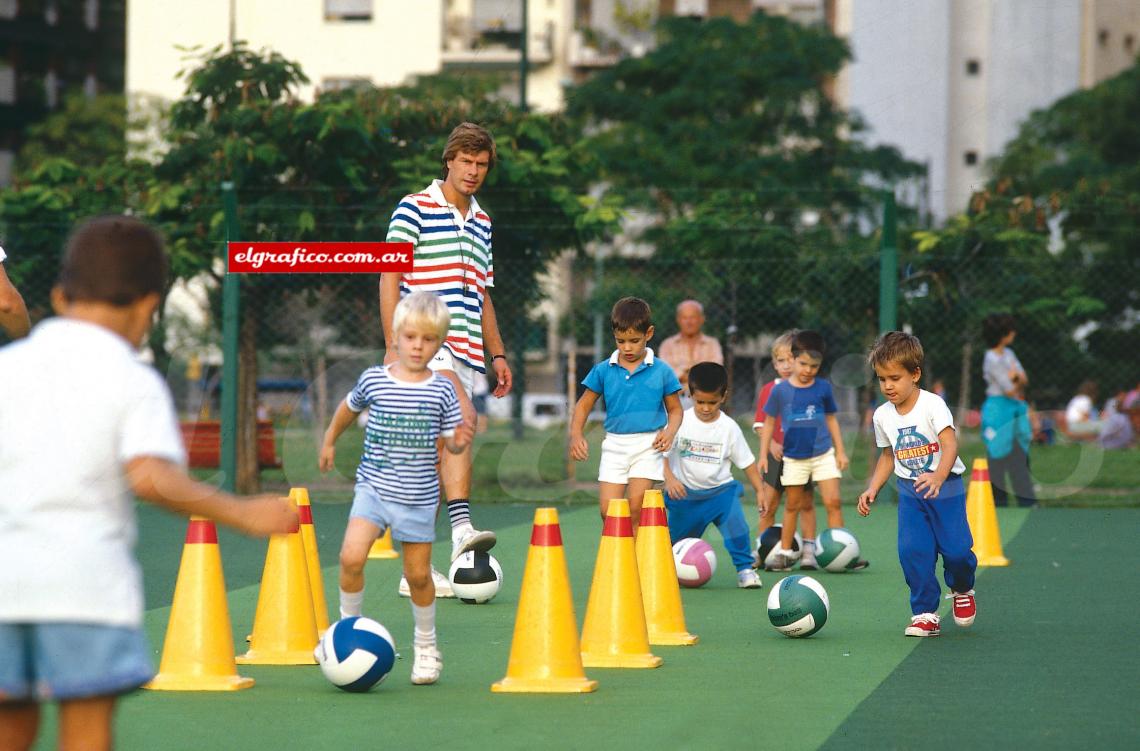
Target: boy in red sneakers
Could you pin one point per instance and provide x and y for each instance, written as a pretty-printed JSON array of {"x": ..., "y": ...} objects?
[{"x": 916, "y": 432}]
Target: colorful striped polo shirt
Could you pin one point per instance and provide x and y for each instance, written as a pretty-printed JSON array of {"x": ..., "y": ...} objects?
[
  {"x": 404, "y": 421},
  {"x": 452, "y": 258}
]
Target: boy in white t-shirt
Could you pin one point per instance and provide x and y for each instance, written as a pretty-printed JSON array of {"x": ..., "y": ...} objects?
[
  {"x": 699, "y": 489},
  {"x": 83, "y": 425},
  {"x": 916, "y": 432}
]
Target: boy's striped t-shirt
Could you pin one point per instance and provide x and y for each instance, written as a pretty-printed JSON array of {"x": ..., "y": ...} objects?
[
  {"x": 452, "y": 258},
  {"x": 404, "y": 421}
]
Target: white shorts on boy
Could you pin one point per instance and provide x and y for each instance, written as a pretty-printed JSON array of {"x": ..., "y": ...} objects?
[
  {"x": 626, "y": 455},
  {"x": 815, "y": 469},
  {"x": 408, "y": 523}
]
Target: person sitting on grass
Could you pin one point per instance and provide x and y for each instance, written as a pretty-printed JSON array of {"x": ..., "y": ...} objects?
[
  {"x": 643, "y": 411},
  {"x": 86, "y": 425},
  {"x": 397, "y": 486},
  {"x": 919, "y": 443},
  {"x": 699, "y": 489}
]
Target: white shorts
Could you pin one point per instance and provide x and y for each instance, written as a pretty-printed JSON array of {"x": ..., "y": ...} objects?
[
  {"x": 444, "y": 360},
  {"x": 626, "y": 455},
  {"x": 799, "y": 471}
]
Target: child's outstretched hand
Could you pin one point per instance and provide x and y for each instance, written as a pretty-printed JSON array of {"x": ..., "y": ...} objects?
[
  {"x": 674, "y": 488},
  {"x": 579, "y": 449},
  {"x": 264, "y": 515},
  {"x": 327, "y": 458},
  {"x": 464, "y": 435},
  {"x": 929, "y": 482},
  {"x": 760, "y": 502},
  {"x": 865, "y": 501},
  {"x": 841, "y": 460},
  {"x": 663, "y": 441}
]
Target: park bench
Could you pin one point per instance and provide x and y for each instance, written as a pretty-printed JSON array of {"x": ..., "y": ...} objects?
[{"x": 203, "y": 441}]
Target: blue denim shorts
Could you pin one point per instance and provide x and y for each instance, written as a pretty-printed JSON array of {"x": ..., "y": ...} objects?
[
  {"x": 408, "y": 523},
  {"x": 62, "y": 661}
]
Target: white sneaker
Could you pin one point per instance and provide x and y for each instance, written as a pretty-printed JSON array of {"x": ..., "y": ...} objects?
[
  {"x": 426, "y": 665},
  {"x": 442, "y": 585},
  {"x": 472, "y": 539},
  {"x": 748, "y": 579}
]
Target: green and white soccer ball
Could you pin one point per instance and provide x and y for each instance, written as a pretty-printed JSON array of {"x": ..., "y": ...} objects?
[
  {"x": 798, "y": 606},
  {"x": 837, "y": 550}
]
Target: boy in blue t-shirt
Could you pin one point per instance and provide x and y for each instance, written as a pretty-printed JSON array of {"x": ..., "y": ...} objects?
[
  {"x": 643, "y": 410},
  {"x": 813, "y": 447}
]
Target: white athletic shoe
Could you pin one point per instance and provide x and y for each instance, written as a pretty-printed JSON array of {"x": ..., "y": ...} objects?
[
  {"x": 442, "y": 585},
  {"x": 748, "y": 579},
  {"x": 426, "y": 665},
  {"x": 472, "y": 539}
]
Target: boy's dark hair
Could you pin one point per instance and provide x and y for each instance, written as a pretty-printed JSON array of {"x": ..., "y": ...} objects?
[
  {"x": 710, "y": 377},
  {"x": 810, "y": 342},
  {"x": 900, "y": 347},
  {"x": 115, "y": 260},
  {"x": 631, "y": 313},
  {"x": 995, "y": 327},
  {"x": 471, "y": 139}
]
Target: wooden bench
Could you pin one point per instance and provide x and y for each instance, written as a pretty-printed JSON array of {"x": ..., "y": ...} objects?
[{"x": 203, "y": 441}]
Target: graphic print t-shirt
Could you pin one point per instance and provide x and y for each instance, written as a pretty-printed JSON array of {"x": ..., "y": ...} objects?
[
  {"x": 704, "y": 452},
  {"x": 914, "y": 436},
  {"x": 802, "y": 412}
]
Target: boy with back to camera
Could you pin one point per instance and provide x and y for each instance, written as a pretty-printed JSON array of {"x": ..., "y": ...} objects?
[
  {"x": 643, "y": 411},
  {"x": 699, "y": 489},
  {"x": 397, "y": 486},
  {"x": 813, "y": 447},
  {"x": 73, "y": 448},
  {"x": 916, "y": 432},
  {"x": 784, "y": 363}
]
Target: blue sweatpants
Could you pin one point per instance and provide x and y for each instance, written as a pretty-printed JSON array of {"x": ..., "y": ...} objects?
[
  {"x": 690, "y": 516},
  {"x": 929, "y": 527}
]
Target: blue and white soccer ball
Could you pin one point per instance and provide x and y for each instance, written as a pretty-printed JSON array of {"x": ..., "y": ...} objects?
[
  {"x": 798, "y": 606},
  {"x": 356, "y": 653}
]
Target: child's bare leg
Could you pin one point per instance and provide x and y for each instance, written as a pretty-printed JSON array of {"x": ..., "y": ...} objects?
[
  {"x": 792, "y": 506},
  {"x": 85, "y": 724},
  {"x": 636, "y": 489},
  {"x": 417, "y": 569},
  {"x": 358, "y": 538},
  {"x": 607, "y": 491},
  {"x": 19, "y": 722},
  {"x": 807, "y": 520},
  {"x": 829, "y": 491},
  {"x": 771, "y": 501}
]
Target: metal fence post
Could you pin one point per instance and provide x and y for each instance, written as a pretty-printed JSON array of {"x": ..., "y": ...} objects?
[
  {"x": 889, "y": 266},
  {"x": 231, "y": 320}
]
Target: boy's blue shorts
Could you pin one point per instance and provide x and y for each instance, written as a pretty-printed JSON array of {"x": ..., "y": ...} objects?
[
  {"x": 63, "y": 661},
  {"x": 408, "y": 523}
]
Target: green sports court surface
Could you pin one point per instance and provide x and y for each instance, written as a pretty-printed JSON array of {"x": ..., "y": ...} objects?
[{"x": 1051, "y": 662}]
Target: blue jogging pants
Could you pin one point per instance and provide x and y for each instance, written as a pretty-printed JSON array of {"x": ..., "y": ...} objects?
[{"x": 929, "y": 527}]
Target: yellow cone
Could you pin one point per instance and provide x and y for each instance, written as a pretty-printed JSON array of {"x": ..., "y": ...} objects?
[
  {"x": 545, "y": 652},
  {"x": 300, "y": 497},
  {"x": 982, "y": 516},
  {"x": 660, "y": 591},
  {"x": 198, "y": 654},
  {"x": 382, "y": 548},
  {"x": 284, "y": 626},
  {"x": 614, "y": 633}
]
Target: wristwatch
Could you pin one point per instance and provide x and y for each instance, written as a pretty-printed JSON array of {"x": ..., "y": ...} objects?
[{"x": 497, "y": 357}]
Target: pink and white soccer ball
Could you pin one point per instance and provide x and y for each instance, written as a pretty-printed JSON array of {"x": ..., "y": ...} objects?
[{"x": 695, "y": 560}]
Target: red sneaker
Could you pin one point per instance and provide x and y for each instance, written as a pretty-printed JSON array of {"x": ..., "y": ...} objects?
[
  {"x": 965, "y": 608},
  {"x": 924, "y": 624}
]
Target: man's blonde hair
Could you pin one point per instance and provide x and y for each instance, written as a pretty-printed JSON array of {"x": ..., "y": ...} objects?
[
  {"x": 424, "y": 311},
  {"x": 783, "y": 341}
]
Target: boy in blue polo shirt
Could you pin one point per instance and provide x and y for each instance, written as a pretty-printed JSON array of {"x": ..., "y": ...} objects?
[{"x": 643, "y": 410}]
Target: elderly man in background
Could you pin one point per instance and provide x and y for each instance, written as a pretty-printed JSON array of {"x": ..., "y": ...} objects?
[{"x": 689, "y": 346}]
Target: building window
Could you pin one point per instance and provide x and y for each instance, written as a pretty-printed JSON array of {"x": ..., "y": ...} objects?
[
  {"x": 91, "y": 14},
  {"x": 1129, "y": 42},
  {"x": 691, "y": 8},
  {"x": 7, "y": 83},
  {"x": 970, "y": 158},
  {"x": 973, "y": 67},
  {"x": 348, "y": 10},
  {"x": 1102, "y": 37}
]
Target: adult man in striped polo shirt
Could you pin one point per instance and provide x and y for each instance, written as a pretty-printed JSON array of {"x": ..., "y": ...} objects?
[{"x": 451, "y": 236}]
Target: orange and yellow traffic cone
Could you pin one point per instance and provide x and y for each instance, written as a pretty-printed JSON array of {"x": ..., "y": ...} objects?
[
  {"x": 285, "y": 625},
  {"x": 198, "y": 654},
  {"x": 614, "y": 633},
  {"x": 300, "y": 497},
  {"x": 660, "y": 592},
  {"x": 982, "y": 516},
  {"x": 545, "y": 652},
  {"x": 382, "y": 547}
]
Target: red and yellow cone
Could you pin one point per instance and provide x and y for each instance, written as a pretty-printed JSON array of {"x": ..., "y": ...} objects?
[
  {"x": 382, "y": 547},
  {"x": 545, "y": 652},
  {"x": 660, "y": 591},
  {"x": 614, "y": 634},
  {"x": 284, "y": 626},
  {"x": 198, "y": 654},
  {"x": 300, "y": 497},
  {"x": 982, "y": 516}
]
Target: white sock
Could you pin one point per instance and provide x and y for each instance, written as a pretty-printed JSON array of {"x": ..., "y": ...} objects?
[
  {"x": 424, "y": 617},
  {"x": 351, "y": 603},
  {"x": 809, "y": 547}
]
